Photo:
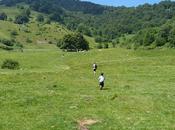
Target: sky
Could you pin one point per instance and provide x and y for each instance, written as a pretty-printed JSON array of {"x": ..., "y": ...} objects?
[{"x": 128, "y": 3}]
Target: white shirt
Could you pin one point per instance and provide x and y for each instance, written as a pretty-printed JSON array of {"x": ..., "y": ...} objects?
[
  {"x": 101, "y": 78},
  {"x": 94, "y": 66}
]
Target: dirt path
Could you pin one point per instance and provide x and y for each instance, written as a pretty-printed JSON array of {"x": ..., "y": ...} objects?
[{"x": 84, "y": 123}]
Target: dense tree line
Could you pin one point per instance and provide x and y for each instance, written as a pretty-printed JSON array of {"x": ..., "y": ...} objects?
[
  {"x": 48, "y": 6},
  {"x": 156, "y": 37}
]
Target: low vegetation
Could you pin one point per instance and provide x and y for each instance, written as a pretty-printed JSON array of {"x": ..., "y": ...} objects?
[{"x": 10, "y": 64}]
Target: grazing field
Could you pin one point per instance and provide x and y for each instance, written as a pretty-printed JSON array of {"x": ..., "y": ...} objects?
[{"x": 53, "y": 90}]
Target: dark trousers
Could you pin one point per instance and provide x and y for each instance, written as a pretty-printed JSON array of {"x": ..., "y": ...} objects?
[{"x": 101, "y": 85}]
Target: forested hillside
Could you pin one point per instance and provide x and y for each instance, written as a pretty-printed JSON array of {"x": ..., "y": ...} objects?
[{"x": 105, "y": 24}]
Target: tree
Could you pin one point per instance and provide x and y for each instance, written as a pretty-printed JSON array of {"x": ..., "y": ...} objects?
[
  {"x": 3, "y": 16},
  {"x": 40, "y": 18},
  {"x": 149, "y": 37},
  {"x": 171, "y": 38},
  {"x": 27, "y": 12},
  {"x": 21, "y": 19},
  {"x": 83, "y": 29},
  {"x": 73, "y": 42},
  {"x": 55, "y": 17}
]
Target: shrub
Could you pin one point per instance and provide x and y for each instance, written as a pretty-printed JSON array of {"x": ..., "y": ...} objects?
[
  {"x": 14, "y": 33},
  {"x": 21, "y": 19},
  {"x": 40, "y": 18},
  {"x": 10, "y": 19},
  {"x": 3, "y": 16},
  {"x": 99, "y": 46},
  {"x": 28, "y": 40},
  {"x": 19, "y": 45},
  {"x": 106, "y": 45},
  {"x": 115, "y": 42},
  {"x": 7, "y": 42},
  {"x": 48, "y": 21},
  {"x": 10, "y": 64},
  {"x": 73, "y": 42}
]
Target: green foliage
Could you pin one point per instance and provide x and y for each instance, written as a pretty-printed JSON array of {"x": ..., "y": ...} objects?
[
  {"x": 55, "y": 17},
  {"x": 100, "y": 39},
  {"x": 7, "y": 42},
  {"x": 115, "y": 42},
  {"x": 83, "y": 29},
  {"x": 3, "y": 16},
  {"x": 48, "y": 21},
  {"x": 110, "y": 23},
  {"x": 99, "y": 46},
  {"x": 28, "y": 40},
  {"x": 163, "y": 36},
  {"x": 146, "y": 37},
  {"x": 19, "y": 45},
  {"x": 10, "y": 64},
  {"x": 73, "y": 42},
  {"x": 14, "y": 33},
  {"x": 10, "y": 19},
  {"x": 26, "y": 12},
  {"x": 21, "y": 19},
  {"x": 40, "y": 18},
  {"x": 147, "y": 22},
  {"x": 106, "y": 45}
]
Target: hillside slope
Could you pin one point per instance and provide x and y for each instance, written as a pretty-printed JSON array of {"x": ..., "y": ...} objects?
[
  {"x": 32, "y": 32},
  {"x": 98, "y": 21}
]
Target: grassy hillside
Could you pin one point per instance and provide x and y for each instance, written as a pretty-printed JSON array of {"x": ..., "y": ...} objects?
[
  {"x": 55, "y": 90},
  {"x": 33, "y": 34}
]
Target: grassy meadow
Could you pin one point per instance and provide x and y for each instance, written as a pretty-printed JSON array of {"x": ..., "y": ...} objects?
[{"x": 53, "y": 90}]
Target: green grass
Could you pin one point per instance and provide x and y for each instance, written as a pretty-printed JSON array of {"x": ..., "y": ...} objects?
[
  {"x": 10, "y": 11},
  {"x": 53, "y": 92}
]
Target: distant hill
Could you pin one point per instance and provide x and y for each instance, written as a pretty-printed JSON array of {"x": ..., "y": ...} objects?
[
  {"x": 104, "y": 23},
  {"x": 48, "y": 6}
]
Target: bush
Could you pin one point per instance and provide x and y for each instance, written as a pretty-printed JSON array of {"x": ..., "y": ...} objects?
[
  {"x": 28, "y": 40},
  {"x": 73, "y": 42},
  {"x": 99, "y": 46},
  {"x": 14, "y": 33},
  {"x": 19, "y": 45},
  {"x": 40, "y": 18},
  {"x": 21, "y": 19},
  {"x": 115, "y": 42},
  {"x": 3, "y": 16},
  {"x": 10, "y": 64},
  {"x": 7, "y": 42},
  {"x": 106, "y": 45},
  {"x": 48, "y": 21},
  {"x": 10, "y": 19}
]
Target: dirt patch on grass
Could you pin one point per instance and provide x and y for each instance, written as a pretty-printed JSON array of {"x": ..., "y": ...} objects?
[{"x": 82, "y": 124}]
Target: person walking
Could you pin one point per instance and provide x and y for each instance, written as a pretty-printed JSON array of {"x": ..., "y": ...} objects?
[
  {"x": 94, "y": 66},
  {"x": 101, "y": 81}
]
